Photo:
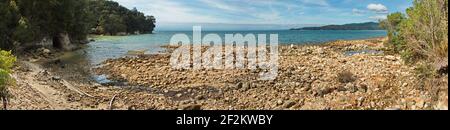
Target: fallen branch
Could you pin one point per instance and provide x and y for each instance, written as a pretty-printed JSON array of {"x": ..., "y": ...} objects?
[
  {"x": 112, "y": 102},
  {"x": 71, "y": 87}
]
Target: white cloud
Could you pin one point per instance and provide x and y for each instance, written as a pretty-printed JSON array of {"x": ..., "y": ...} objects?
[{"x": 378, "y": 8}]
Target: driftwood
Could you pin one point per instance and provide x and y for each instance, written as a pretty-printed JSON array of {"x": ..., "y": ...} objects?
[
  {"x": 111, "y": 103},
  {"x": 71, "y": 87}
]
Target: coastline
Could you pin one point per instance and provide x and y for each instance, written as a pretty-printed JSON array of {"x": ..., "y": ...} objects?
[{"x": 310, "y": 79}]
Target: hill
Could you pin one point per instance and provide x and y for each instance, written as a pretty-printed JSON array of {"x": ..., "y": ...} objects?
[{"x": 352, "y": 26}]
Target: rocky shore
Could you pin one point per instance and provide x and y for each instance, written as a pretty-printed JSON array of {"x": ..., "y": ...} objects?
[{"x": 354, "y": 75}]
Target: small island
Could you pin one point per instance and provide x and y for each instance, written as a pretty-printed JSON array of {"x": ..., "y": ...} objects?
[{"x": 352, "y": 26}]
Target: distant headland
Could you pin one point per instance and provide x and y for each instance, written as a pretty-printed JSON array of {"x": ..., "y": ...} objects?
[{"x": 352, "y": 26}]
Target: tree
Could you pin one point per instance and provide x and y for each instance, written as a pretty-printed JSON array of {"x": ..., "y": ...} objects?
[
  {"x": 6, "y": 62},
  {"x": 422, "y": 35},
  {"x": 113, "y": 24},
  {"x": 9, "y": 16},
  {"x": 426, "y": 31},
  {"x": 27, "y": 22},
  {"x": 393, "y": 24},
  {"x": 114, "y": 18}
]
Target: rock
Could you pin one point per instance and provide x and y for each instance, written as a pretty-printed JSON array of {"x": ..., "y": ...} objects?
[
  {"x": 325, "y": 91},
  {"x": 306, "y": 88},
  {"x": 441, "y": 105},
  {"x": 289, "y": 104},
  {"x": 44, "y": 51},
  {"x": 320, "y": 51},
  {"x": 192, "y": 107},
  {"x": 238, "y": 85},
  {"x": 56, "y": 78},
  {"x": 200, "y": 97},
  {"x": 362, "y": 88},
  {"x": 350, "y": 87},
  {"x": 179, "y": 95},
  {"x": 361, "y": 101},
  {"x": 246, "y": 86},
  {"x": 391, "y": 58},
  {"x": 280, "y": 102},
  {"x": 394, "y": 108},
  {"x": 63, "y": 42},
  {"x": 341, "y": 89},
  {"x": 306, "y": 77},
  {"x": 405, "y": 85},
  {"x": 420, "y": 104}
]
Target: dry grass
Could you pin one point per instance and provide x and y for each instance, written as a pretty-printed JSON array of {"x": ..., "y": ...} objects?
[{"x": 346, "y": 77}]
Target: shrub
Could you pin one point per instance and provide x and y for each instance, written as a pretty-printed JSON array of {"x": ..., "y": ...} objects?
[
  {"x": 422, "y": 35},
  {"x": 393, "y": 25},
  {"x": 346, "y": 77},
  {"x": 6, "y": 62},
  {"x": 426, "y": 31}
]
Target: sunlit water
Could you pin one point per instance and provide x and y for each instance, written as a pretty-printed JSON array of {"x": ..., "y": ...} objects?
[{"x": 118, "y": 46}]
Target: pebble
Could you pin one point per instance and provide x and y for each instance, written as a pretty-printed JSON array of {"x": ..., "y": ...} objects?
[
  {"x": 300, "y": 76},
  {"x": 279, "y": 102}
]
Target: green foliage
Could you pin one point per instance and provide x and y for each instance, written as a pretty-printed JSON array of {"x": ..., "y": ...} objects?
[
  {"x": 426, "y": 30},
  {"x": 6, "y": 62},
  {"x": 422, "y": 35},
  {"x": 114, "y": 18},
  {"x": 113, "y": 24},
  {"x": 48, "y": 18},
  {"x": 29, "y": 21},
  {"x": 9, "y": 17},
  {"x": 392, "y": 24}
]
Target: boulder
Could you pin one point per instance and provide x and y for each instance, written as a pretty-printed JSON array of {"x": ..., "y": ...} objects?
[{"x": 62, "y": 41}]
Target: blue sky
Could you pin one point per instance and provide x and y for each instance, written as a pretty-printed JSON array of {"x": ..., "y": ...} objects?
[{"x": 280, "y": 12}]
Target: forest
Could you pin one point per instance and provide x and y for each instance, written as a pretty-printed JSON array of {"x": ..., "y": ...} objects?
[{"x": 28, "y": 22}]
